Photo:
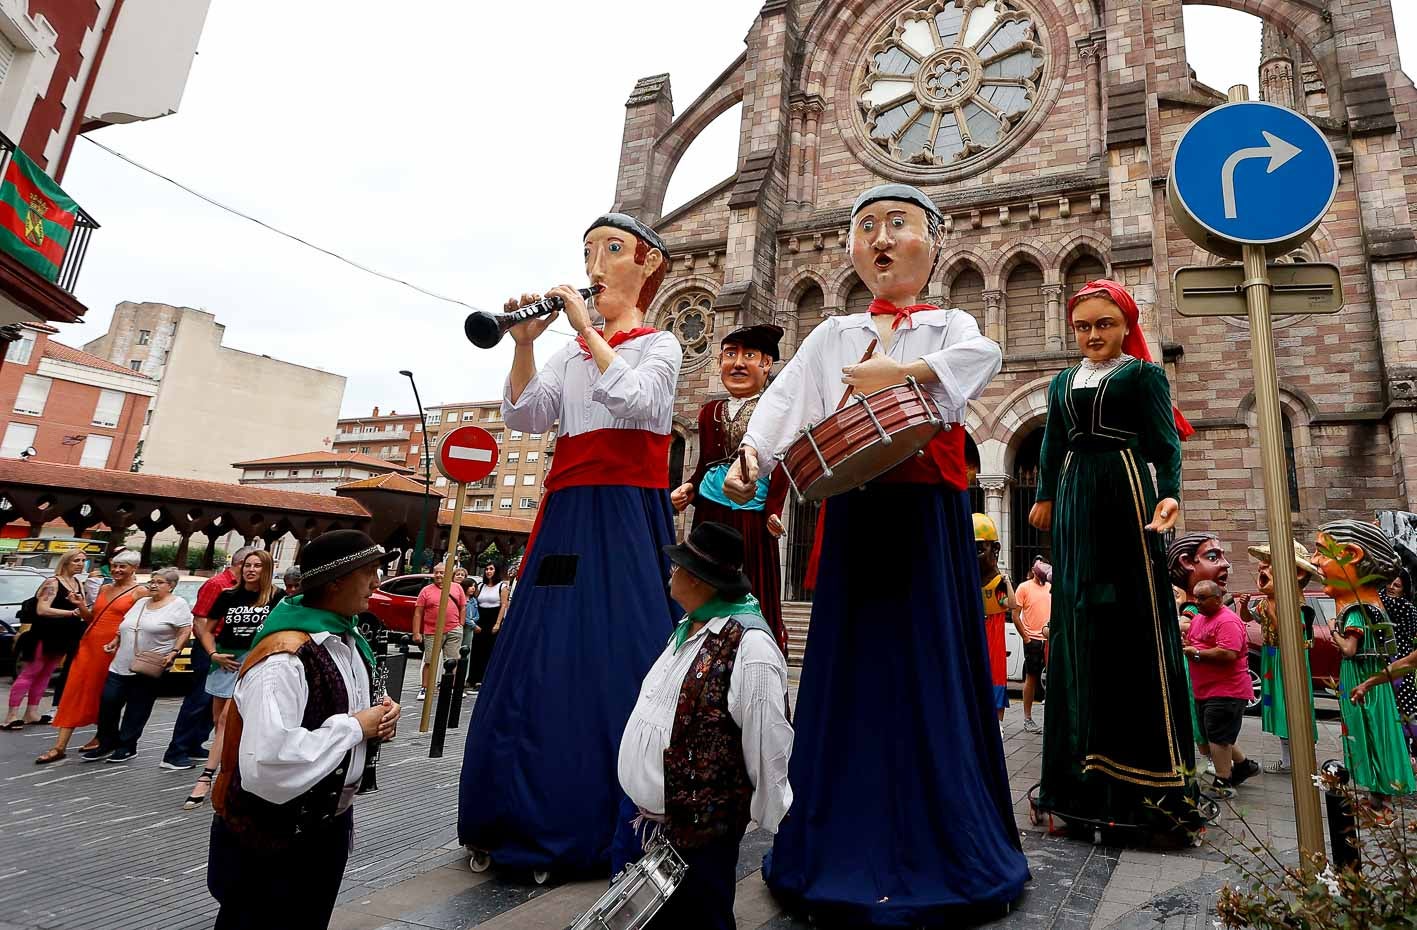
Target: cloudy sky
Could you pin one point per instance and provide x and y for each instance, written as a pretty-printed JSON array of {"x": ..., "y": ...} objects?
[{"x": 462, "y": 146}]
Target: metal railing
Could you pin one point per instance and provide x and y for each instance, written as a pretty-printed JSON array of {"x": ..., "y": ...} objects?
[
  {"x": 399, "y": 436},
  {"x": 84, "y": 225}
]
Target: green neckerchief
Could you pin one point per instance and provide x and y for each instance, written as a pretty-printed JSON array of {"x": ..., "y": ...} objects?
[
  {"x": 292, "y": 614},
  {"x": 711, "y": 611}
]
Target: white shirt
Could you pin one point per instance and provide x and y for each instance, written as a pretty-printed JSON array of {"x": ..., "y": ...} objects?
[
  {"x": 490, "y": 595},
  {"x": 158, "y": 628},
  {"x": 635, "y": 392},
  {"x": 810, "y": 387},
  {"x": 281, "y": 760},
  {"x": 757, "y": 694}
]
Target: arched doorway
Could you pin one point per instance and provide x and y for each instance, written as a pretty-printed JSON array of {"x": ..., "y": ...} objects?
[{"x": 1027, "y": 542}]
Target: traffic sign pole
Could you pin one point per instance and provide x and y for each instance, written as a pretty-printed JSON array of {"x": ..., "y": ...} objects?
[
  {"x": 431, "y": 669},
  {"x": 1297, "y": 686}
]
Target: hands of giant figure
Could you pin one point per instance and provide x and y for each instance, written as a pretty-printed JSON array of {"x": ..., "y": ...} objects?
[
  {"x": 1168, "y": 511},
  {"x": 736, "y": 486},
  {"x": 524, "y": 334},
  {"x": 876, "y": 373},
  {"x": 1041, "y": 516},
  {"x": 577, "y": 310},
  {"x": 682, "y": 496},
  {"x": 775, "y": 526}
]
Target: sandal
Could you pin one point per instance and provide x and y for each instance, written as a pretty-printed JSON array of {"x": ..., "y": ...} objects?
[
  {"x": 14, "y": 725},
  {"x": 52, "y": 755},
  {"x": 197, "y": 800},
  {"x": 90, "y": 746}
]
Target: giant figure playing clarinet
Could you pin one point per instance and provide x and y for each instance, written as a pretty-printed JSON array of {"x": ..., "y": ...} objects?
[
  {"x": 901, "y": 813},
  {"x": 539, "y": 786}
]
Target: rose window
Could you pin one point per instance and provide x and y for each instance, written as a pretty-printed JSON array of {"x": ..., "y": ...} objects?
[
  {"x": 950, "y": 79},
  {"x": 690, "y": 318}
]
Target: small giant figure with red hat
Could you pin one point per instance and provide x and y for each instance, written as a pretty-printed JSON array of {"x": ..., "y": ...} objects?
[
  {"x": 591, "y": 613},
  {"x": 745, "y": 360},
  {"x": 901, "y": 812},
  {"x": 1117, "y": 748}
]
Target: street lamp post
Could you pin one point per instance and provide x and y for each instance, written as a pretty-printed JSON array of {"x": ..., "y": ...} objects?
[{"x": 427, "y": 472}]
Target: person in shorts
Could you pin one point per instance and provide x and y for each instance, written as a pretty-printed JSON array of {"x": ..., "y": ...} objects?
[
  {"x": 1034, "y": 600},
  {"x": 1218, "y": 648}
]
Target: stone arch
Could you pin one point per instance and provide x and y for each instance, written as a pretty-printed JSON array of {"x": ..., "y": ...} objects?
[
  {"x": 950, "y": 265},
  {"x": 1299, "y": 413},
  {"x": 839, "y": 285},
  {"x": 1022, "y": 277},
  {"x": 1018, "y": 413},
  {"x": 808, "y": 312},
  {"x": 1022, "y": 252},
  {"x": 857, "y": 298},
  {"x": 676, "y": 287},
  {"x": 1306, "y": 25},
  {"x": 1079, "y": 246},
  {"x": 965, "y": 285},
  {"x": 722, "y": 95},
  {"x": 789, "y": 315}
]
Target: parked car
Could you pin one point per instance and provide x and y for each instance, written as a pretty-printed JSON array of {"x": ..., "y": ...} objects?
[
  {"x": 391, "y": 606},
  {"x": 17, "y": 585},
  {"x": 1324, "y": 658}
]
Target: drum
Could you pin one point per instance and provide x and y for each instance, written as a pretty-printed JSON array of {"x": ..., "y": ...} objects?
[
  {"x": 638, "y": 892},
  {"x": 866, "y": 438}
]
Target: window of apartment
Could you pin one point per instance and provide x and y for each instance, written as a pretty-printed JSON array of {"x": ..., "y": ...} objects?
[
  {"x": 295, "y": 473},
  {"x": 165, "y": 357},
  {"x": 418, "y": 427},
  {"x": 510, "y": 480},
  {"x": 493, "y": 415},
  {"x": 504, "y": 504},
  {"x": 145, "y": 336},
  {"x": 450, "y": 417},
  {"x": 414, "y": 450},
  {"x": 535, "y": 435},
  {"x": 270, "y": 473},
  {"x": 96, "y": 449},
  {"x": 319, "y": 473},
  {"x": 136, "y": 364},
  {"x": 448, "y": 504},
  {"x": 516, "y": 434},
  {"x": 384, "y": 450},
  {"x": 363, "y": 450},
  {"x": 21, "y": 350},
  {"x": 18, "y": 438},
  {"x": 529, "y": 480},
  {"x": 34, "y": 392},
  {"x": 368, "y": 429},
  {"x": 468, "y": 417},
  {"x": 482, "y": 504},
  {"x": 533, "y": 456},
  {"x": 513, "y": 457},
  {"x": 109, "y": 408},
  {"x": 441, "y": 482},
  {"x": 528, "y": 503}
]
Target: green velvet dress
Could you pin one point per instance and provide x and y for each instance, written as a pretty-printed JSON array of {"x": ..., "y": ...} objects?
[
  {"x": 1117, "y": 743},
  {"x": 1373, "y": 746}
]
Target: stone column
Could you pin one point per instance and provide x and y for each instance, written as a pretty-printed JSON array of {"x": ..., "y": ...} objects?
[
  {"x": 1054, "y": 322},
  {"x": 994, "y": 487},
  {"x": 795, "y": 141},
  {"x": 1090, "y": 52},
  {"x": 994, "y": 318},
  {"x": 813, "y": 115}
]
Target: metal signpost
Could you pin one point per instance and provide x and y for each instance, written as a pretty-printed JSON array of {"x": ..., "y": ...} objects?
[
  {"x": 465, "y": 455},
  {"x": 1253, "y": 181}
]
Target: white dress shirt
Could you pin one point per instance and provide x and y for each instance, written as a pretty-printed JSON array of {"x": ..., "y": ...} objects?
[
  {"x": 281, "y": 760},
  {"x": 635, "y": 392},
  {"x": 810, "y": 387},
  {"x": 757, "y": 695}
]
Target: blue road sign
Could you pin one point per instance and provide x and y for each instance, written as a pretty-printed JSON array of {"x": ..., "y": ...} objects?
[{"x": 1254, "y": 173}]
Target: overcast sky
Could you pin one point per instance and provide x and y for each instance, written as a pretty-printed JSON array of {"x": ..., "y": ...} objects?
[{"x": 462, "y": 146}]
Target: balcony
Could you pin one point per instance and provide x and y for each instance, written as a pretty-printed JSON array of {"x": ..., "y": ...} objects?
[{"x": 396, "y": 436}]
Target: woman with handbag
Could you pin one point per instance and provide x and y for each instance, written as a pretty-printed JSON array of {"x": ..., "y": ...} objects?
[
  {"x": 88, "y": 672},
  {"x": 149, "y": 640},
  {"x": 56, "y": 615}
]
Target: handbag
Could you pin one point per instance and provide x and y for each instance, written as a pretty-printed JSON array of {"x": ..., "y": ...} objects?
[{"x": 147, "y": 662}]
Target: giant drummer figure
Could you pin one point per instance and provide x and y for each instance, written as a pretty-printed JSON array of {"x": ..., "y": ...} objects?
[
  {"x": 746, "y": 357},
  {"x": 539, "y": 788},
  {"x": 902, "y": 814}
]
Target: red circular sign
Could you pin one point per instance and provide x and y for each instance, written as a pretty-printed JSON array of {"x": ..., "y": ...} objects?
[{"x": 467, "y": 454}]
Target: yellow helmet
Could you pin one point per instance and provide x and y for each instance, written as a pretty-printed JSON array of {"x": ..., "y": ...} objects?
[{"x": 984, "y": 529}]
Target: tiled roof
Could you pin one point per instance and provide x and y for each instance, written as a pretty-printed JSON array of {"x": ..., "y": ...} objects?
[
  {"x": 62, "y": 353},
  {"x": 40, "y": 327},
  {"x": 327, "y": 458},
  {"x": 72, "y": 478},
  {"x": 392, "y": 481},
  {"x": 487, "y": 521}
]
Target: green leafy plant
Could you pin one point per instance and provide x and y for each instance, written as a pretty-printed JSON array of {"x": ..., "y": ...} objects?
[{"x": 167, "y": 555}]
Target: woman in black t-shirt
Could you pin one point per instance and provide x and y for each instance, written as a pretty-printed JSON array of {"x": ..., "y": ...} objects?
[{"x": 226, "y": 634}]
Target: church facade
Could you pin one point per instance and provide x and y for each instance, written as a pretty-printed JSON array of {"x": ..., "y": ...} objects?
[{"x": 1044, "y": 131}]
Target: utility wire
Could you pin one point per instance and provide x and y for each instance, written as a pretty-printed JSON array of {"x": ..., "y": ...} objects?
[{"x": 291, "y": 236}]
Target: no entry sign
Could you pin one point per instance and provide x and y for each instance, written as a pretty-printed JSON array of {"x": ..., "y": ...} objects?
[{"x": 467, "y": 454}]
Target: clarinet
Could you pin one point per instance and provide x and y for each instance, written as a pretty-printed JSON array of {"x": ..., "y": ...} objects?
[{"x": 379, "y": 689}]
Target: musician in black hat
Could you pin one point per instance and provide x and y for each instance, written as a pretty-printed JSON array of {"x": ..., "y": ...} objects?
[
  {"x": 297, "y": 733},
  {"x": 706, "y": 749},
  {"x": 745, "y": 360}
]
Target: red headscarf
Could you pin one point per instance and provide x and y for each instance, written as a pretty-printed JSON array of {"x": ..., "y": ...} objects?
[{"x": 1135, "y": 342}]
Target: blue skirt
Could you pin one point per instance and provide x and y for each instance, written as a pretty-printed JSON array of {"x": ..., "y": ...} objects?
[
  {"x": 901, "y": 811},
  {"x": 590, "y": 615}
]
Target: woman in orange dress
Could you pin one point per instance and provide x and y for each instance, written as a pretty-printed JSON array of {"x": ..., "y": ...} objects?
[{"x": 79, "y": 706}]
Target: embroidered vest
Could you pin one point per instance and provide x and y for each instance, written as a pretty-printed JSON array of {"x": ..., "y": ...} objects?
[
  {"x": 258, "y": 822},
  {"x": 707, "y": 791}
]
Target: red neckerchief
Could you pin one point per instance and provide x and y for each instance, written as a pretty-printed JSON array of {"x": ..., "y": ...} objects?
[
  {"x": 886, "y": 308},
  {"x": 615, "y": 340}
]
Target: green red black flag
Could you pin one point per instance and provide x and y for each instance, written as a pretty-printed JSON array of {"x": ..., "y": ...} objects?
[{"x": 36, "y": 217}]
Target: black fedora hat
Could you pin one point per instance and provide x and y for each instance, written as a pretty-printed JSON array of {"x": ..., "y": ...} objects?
[
  {"x": 713, "y": 553},
  {"x": 333, "y": 555}
]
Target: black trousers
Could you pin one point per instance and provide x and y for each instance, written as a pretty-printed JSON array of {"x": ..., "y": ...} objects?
[
  {"x": 294, "y": 888},
  {"x": 704, "y": 900},
  {"x": 124, "y": 709}
]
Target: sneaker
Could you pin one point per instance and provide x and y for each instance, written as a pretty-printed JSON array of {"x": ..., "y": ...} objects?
[
  {"x": 422, "y": 693},
  {"x": 1277, "y": 767},
  {"x": 1244, "y": 772},
  {"x": 199, "y": 756},
  {"x": 121, "y": 755},
  {"x": 96, "y": 755},
  {"x": 1222, "y": 789},
  {"x": 180, "y": 765},
  {"x": 1209, "y": 766},
  {"x": 1029, "y": 726}
]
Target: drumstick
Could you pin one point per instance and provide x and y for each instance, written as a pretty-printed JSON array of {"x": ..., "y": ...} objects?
[
  {"x": 743, "y": 464},
  {"x": 870, "y": 350}
]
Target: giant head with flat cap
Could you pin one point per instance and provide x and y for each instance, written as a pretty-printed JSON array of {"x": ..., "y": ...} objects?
[{"x": 896, "y": 238}]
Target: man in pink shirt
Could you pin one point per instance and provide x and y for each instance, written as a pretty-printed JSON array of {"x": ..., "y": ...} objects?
[
  {"x": 425, "y": 621},
  {"x": 1218, "y": 649}
]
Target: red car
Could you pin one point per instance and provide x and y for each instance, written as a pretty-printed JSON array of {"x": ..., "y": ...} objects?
[
  {"x": 1324, "y": 658},
  {"x": 391, "y": 606}
]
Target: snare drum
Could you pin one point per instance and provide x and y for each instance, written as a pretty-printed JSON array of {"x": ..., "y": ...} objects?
[
  {"x": 866, "y": 438},
  {"x": 638, "y": 892}
]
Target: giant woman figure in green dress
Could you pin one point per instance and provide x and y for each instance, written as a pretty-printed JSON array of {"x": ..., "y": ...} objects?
[{"x": 1117, "y": 745}]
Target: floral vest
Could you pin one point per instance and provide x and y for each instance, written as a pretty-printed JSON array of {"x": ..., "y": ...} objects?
[
  {"x": 258, "y": 822},
  {"x": 707, "y": 791}
]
